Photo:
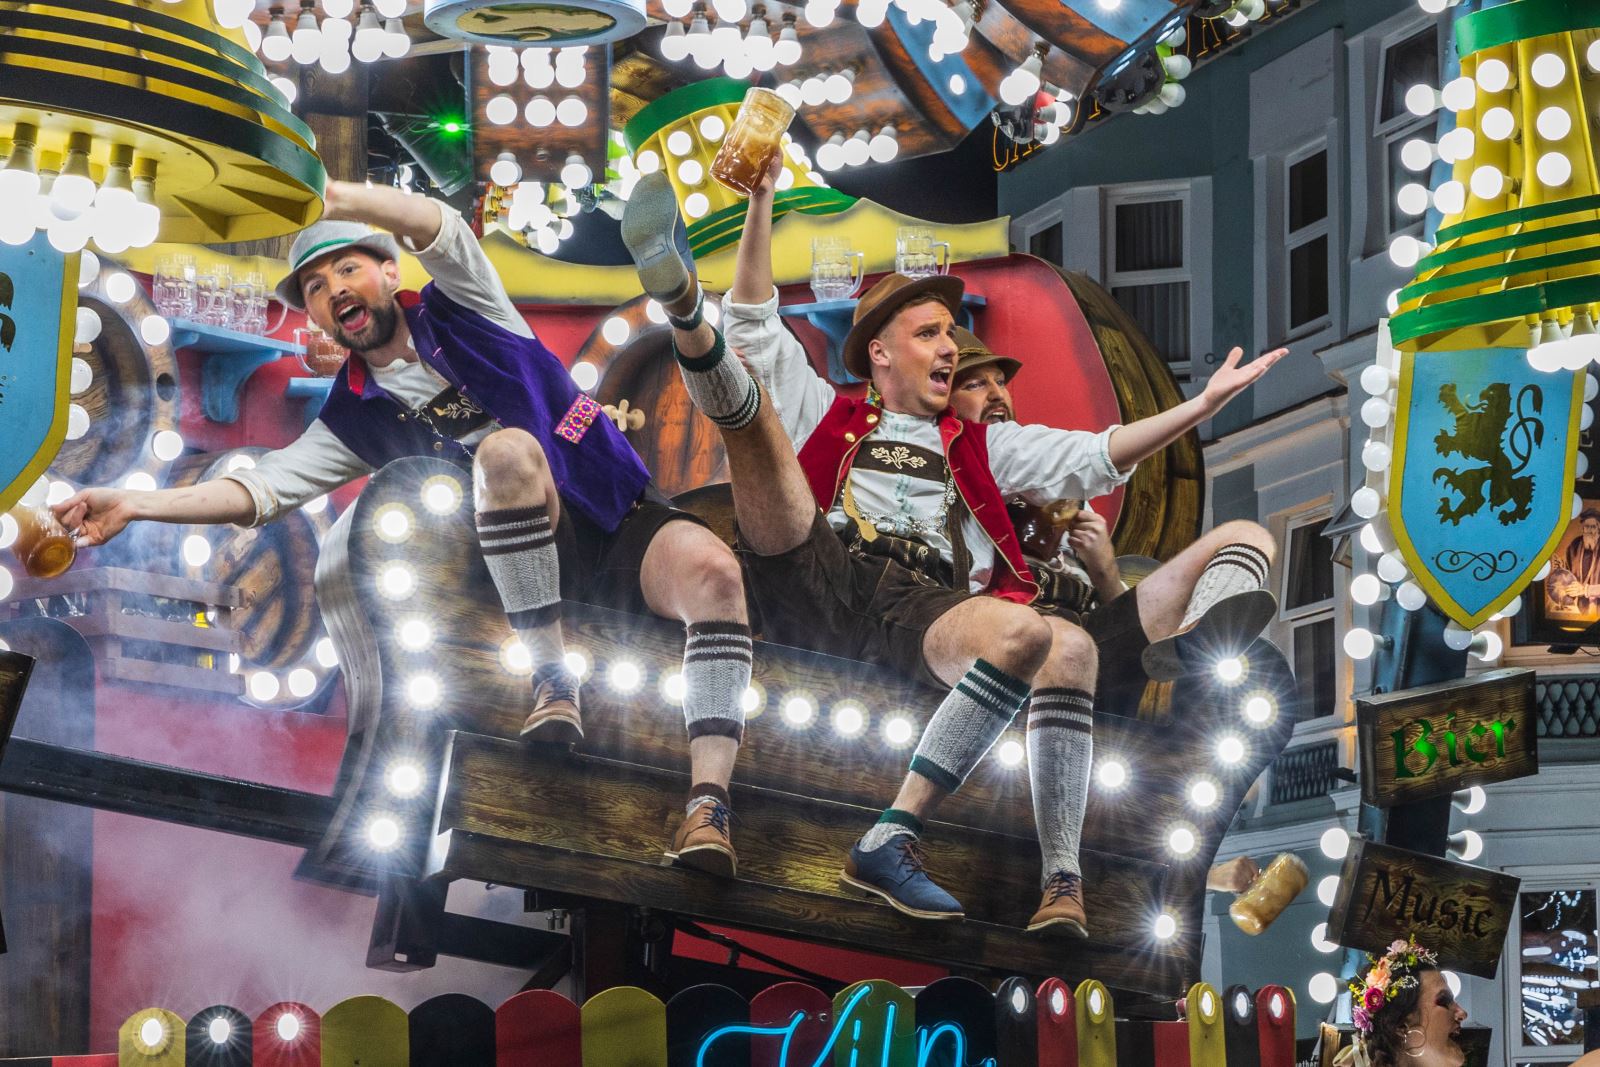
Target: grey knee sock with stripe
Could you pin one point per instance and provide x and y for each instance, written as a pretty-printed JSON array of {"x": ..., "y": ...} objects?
[
  {"x": 890, "y": 825},
  {"x": 519, "y": 547},
  {"x": 1236, "y": 568},
  {"x": 716, "y": 672},
  {"x": 720, "y": 386},
  {"x": 967, "y": 723},
  {"x": 1060, "y": 748}
]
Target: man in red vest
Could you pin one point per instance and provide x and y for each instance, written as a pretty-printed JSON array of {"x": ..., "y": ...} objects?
[
  {"x": 1172, "y": 619},
  {"x": 888, "y": 540}
]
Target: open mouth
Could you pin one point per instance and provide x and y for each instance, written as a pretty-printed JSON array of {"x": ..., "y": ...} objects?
[
  {"x": 353, "y": 316},
  {"x": 996, "y": 414},
  {"x": 941, "y": 379}
]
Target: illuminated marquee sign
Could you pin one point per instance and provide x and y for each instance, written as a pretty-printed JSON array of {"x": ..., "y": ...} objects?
[{"x": 948, "y": 1037}]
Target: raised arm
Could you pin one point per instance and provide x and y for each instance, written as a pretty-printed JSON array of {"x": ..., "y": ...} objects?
[
  {"x": 752, "y": 272},
  {"x": 415, "y": 218},
  {"x": 756, "y": 333},
  {"x": 1139, "y": 440}
]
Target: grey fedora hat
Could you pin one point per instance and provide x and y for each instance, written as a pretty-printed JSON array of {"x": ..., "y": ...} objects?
[{"x": 324, "y": 238}]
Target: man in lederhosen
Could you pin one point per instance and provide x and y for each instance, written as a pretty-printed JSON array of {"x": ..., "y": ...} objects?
[
  {"x": 1158, "y": 628},
  {"x": 886, "y": 537},
  {"x": 564, "y": 505}
]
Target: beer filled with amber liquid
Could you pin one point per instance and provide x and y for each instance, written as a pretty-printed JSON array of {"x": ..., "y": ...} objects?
[
  {"x": 1041, "y": 528},
  {"x": 755, "y": 137},
  {"x": 43, "y": 546}
]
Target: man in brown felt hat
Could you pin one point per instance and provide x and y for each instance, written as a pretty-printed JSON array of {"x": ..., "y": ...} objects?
[
  {"x": 887, "y": 539},
  {"x": 1177, "y": 615}
]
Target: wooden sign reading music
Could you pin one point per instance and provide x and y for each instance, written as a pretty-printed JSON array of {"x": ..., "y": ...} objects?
[{"x": 1388, "y": 894}]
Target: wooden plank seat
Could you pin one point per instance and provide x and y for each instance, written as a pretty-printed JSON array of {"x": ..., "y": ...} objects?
[{"x": 594, "y": 822}]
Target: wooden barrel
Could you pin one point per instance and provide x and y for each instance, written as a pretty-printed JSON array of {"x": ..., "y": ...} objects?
[
  {"x": 679, "y": 445},
  {"x": 279, "y": 623},
  {"x": 132, "y": 396}
]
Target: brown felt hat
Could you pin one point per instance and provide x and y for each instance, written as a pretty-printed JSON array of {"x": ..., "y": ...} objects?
[
  {"x": 973, "y": 353},
  {"x": 879, "y": 305}
]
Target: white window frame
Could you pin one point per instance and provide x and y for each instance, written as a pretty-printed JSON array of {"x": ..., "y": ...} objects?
[
  {"x": 1402, "y": 127},
  {"x": 1543, "y": 882},
  {"x": 1292, "y": 620},
  {"x": 1116, "y": 196},
  {"x": 1292, "y": 240}
]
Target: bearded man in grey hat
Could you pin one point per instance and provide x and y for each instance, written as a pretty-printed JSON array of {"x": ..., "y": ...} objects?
[{"x": 564, "y": 505}]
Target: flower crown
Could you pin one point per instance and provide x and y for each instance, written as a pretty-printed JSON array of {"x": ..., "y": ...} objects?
[{"x": 1394, "y": 971}]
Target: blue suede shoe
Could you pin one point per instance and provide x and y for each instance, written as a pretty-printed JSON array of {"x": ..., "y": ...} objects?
[{"x": 896, "y": 873}]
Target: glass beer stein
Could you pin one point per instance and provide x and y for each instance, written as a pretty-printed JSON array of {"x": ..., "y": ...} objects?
[
  {"x": 1041, "y": 528},
  {"x": 43, "y": 546},
  {"x": 1273, "y": 890},
  {"x": 754, "y": 138},
  {"x": 918, "y": 255},
  {"x": 835, "y": 268}
]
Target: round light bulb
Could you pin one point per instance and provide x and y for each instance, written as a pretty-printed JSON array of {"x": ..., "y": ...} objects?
[
  {"x": 1554, "y": 123},
  {"x": 1493, "y": 76},
  {"x": 1498, "y": 123},
  {"x": 1554, "y": 169},
  {"x": 1366, "y": 589},
  {"x": 1549, "y": 70},
  {"x": 1335, "y": 842},
  {"x": 1111, "y": 773},
  {"x": 1359, "y": 643}
]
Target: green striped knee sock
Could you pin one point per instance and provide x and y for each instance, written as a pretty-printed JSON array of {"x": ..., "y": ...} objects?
[{"x": 969, "y": 720}]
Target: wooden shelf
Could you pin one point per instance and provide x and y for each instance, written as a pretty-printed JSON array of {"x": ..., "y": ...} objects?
[{"x": 231, "y": 357}]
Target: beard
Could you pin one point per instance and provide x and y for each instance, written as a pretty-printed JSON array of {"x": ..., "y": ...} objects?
[
  {"x": 997, "y": 412},
  {"x": 382, "y": 321}
]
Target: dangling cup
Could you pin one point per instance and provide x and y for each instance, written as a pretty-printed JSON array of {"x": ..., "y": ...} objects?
[
  {"x": 43, "y": 546},
  {"x": 835, "y": 268},
  {"x": 755, "y": 137}
]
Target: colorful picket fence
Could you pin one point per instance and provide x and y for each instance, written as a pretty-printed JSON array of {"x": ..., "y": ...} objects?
[{"x": 955, "y": 1022}]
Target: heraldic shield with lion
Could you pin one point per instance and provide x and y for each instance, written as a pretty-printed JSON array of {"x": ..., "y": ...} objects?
[{"x": 1481, "y": 483}]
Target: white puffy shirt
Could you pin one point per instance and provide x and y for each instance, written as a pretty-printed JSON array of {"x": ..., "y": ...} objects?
[{"x": 1039, "y": 463}]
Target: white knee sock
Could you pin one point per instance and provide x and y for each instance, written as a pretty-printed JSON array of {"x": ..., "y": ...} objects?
[
  {"x": 1060, "y": 748},
  {"x": 1236, "y": 568}
]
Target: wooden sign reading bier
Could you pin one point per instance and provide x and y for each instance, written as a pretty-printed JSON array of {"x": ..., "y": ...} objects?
[
  {"x": 1387, "y": 894},
  {"x": 1436, "y": 739}
]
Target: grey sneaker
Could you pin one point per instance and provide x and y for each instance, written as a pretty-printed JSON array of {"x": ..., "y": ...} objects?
[{"x": 657, "y": 240}]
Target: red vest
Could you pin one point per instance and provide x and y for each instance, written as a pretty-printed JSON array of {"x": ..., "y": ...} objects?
[{"x": 831, "y": 448}]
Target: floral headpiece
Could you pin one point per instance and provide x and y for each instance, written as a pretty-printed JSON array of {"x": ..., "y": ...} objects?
[{"x": 1394, "y": 971}]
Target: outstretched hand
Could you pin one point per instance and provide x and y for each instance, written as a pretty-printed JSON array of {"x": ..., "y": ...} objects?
[
  {"x": 95, "y": 516},
  {"x": 1233, "y": 377}
]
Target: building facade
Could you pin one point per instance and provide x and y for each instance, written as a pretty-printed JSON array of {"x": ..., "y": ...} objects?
[{"x": 1259, "y": 214}]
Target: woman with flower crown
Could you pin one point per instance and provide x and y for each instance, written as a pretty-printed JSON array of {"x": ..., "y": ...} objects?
[{"x": 1404, "y": 1013}]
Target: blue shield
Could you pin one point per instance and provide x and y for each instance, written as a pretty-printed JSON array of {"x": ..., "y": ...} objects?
[
  {"x": 1480, "y": 488},
  {"x": 38, "y": 305}
]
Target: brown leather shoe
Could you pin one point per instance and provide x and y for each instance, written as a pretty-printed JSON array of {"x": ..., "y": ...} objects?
[
  {"x": 702, "y": 841},
  {"x": 1062, "y": 906},
  {"x": 554, "y": 719}
]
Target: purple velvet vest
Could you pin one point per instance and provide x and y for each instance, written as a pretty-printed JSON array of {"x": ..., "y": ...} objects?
[{"x": 518, "y": 381}]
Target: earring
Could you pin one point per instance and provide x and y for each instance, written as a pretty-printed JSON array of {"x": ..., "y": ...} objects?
[{"x": 1415, "y": 1052}]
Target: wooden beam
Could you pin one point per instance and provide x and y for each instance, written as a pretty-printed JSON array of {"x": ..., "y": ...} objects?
[
  {"x": 508, "y": 816},
  {"x": 153, "y": 791}
]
